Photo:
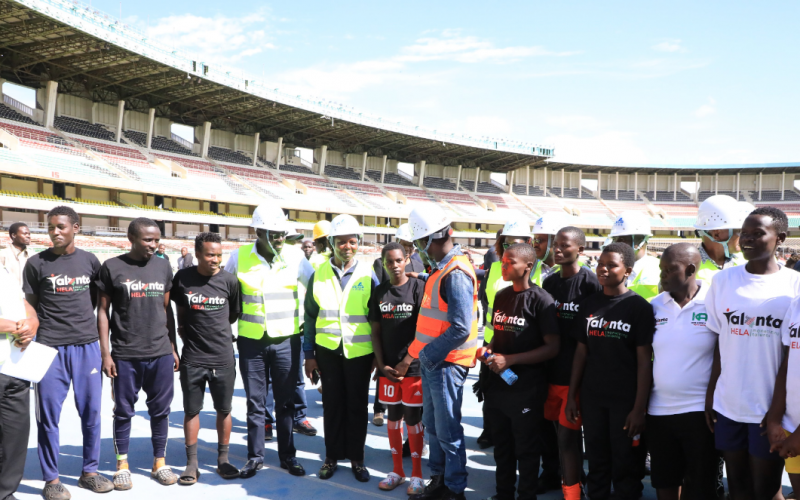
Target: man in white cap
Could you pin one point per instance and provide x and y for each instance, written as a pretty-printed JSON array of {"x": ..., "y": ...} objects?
[
  {"x": 445, "y": 344},
  {"x": 273, "y": 278}
]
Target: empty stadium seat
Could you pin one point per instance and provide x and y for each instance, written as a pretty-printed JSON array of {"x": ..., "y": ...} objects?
[
  {"x": 342, "y": 172},
  {"x": 227, "y": 155},
  {"x": 439, "y": 183},
  {"x": 12, "y": 114}
]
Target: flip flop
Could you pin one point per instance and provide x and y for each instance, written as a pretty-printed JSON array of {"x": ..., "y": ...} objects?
[
  {"x": 189, "y": 476},
  {"x": 227, "y": 471}
]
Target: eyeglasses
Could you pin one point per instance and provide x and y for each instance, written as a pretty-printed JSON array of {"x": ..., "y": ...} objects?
[
  {"x": 538, "y": 241},
  {"x": 276, "y": 235}
]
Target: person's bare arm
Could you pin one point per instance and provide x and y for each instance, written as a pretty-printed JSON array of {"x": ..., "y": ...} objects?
[
  {"x": 716, "y": 369},
  {"x": 25, "y": 329},
  {"x": 171, "y": 332},
  {"x": 387, "y": 371},
  {"x": 571, "y": 410},
  {"x": 109, "y": 367},
  {"x": 644, "y": 382},
  {"x": 774, "y": 416},
  {"x": 499, "y": 362}
]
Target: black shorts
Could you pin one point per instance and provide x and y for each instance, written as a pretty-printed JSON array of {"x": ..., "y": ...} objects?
[
  {"x": 220, "y": 383},
  {"x": 682, "y": 453}
]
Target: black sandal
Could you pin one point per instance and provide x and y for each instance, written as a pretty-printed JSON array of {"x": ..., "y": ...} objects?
[
  {"x": 227, "y": 471},
  {"x": 189, "y": 476}
]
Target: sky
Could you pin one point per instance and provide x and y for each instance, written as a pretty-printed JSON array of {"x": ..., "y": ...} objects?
[{"x": 618, "y": 82}]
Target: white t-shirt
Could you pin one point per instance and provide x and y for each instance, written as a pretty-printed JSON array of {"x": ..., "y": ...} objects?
[
  {"x": 683, "y": 350},
  {"x": 12, "y": 307},
  {"x": 747, "y": 311},
  {"x": 791, "y": 339}
]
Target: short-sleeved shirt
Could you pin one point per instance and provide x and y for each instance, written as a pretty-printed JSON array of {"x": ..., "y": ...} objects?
[
  {"x": 568, "y": 293},
  {"x": 210, "y": 302},
  {"x": 62, "y": 284},
  {"x": 138, "y": 319},
  {"x": 790, "y": 336},
  {"x": 612, "y": 327},
  {"x": 396, "y": 308},
  {"x": 520, "y": 321}
]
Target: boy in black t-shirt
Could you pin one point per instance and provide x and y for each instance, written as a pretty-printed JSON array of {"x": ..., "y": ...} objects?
[
  {"x": 568, "y": 287},
  {"x": 393, "y": 311},
  {"x": 525, "y": 337},
  {"x": 142, "y": 352},
  {"x": 59, "y": 283},
  {"x": 612, "y": 370},
  {"x": 208, "y": 303}
]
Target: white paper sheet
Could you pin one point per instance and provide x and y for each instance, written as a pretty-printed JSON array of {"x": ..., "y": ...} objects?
[{"x": 30, "y": 364}]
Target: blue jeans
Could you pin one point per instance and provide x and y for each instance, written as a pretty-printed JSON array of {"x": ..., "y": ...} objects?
[{"x": 442, "y": 394}]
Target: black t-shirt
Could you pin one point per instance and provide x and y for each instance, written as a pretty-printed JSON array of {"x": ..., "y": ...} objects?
[
  {"x": 568, "y": 294},
  {"x": 138, "y": 320},
  {"x": 612, "y": 328},
  {"x": 413, "y": 266},
  {"x": 63, "y": 285},
  {"x": 210, "y": 302},
  {"x": 396, "y": 308},
  {"x": 520, "y": 321}
]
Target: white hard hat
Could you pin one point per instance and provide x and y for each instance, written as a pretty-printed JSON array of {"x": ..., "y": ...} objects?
[
  {"x": 517, "y": 228},
  {"x": 744, "y": 209},
  {"x": 549, "y": 223},
  {"x": 631, "y": 223},
  {"x": 343, "y": 225},
  {"x": 270, "y": 217},
  {"x": 404, "y": 233},
  {"x": 719, "y": 212},
  {"x": 425, "y": 222}
]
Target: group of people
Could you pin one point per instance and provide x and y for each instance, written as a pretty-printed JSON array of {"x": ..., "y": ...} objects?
[{"x": 687, "y": 360}]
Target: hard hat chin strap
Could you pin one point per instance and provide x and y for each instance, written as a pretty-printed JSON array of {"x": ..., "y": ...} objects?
[
  {"x": 638, "y": 247},
  {"x": 723, "y": 243},
  {"x": 277, "y": 254}
]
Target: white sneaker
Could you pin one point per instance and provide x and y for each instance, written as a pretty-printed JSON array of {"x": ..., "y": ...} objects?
[
  {"x": 391, "y": 482},
  {"x": 416, "y": 487},
  {"x": 377, "y": 419}
]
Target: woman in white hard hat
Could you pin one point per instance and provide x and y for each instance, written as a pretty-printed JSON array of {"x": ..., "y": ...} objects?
[
  {"x": 338, "y": 346},
  {"x": 719, "y": 222}
]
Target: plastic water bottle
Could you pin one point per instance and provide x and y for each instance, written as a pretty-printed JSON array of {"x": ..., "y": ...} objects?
[
  {"x": 507, "y": 375},
  {"x": 636, "y": 439}
]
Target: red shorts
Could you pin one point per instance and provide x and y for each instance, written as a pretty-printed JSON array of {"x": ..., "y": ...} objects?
[
  {"x": 555, "y": 405},
  {"x": 408, "y": 392}
]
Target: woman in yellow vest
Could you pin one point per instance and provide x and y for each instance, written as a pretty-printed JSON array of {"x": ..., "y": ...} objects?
[{"x": 338, "y": 346}]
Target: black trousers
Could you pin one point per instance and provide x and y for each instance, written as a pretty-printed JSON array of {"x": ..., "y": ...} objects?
[
  {"x": 611, "y": 454},
  {"x": 345, "y": 402},
  {"x": 15, "y": 425},
  {"x": 377, "y": 406},
  {"x": 515, "y": 423},
  {"x": 281, "y": 358},
  {"x": 551, "y": 463},
  {"x": 682, "y": 453}
]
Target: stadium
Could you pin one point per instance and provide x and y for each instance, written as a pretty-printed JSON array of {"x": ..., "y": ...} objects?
[{"x": 99, "y": 140}]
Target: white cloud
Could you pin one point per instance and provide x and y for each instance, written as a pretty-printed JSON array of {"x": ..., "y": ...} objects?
[
  {"x": 706, "y": 109},
  {"x": 669, "y": 46},
  {"x": 220, "y": 38},
  {"x": 450, "y": 45}
]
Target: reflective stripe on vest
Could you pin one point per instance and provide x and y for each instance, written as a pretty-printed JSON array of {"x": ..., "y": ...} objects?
[
  {"x": 432, "y": 320},
  {"x": 343, "y": 314},
  {"x": 270, "y": 299}
]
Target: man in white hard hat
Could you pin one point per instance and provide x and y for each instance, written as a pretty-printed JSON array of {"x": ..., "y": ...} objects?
[
  {"x": 338, "y": 346},
  {"x": 633, "y": 228},
  {"x": 719, "y": 222},
  {"x": 544, "y": 232},
  {"x": 445, "y": 344},
  {"x": 273, "y": 277}
]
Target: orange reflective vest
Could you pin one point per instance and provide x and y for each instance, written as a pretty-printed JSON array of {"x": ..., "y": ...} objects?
[{"x": 432, "y": 320}]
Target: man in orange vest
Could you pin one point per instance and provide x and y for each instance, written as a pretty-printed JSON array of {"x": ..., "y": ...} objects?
[{"x": 445, "y": 343}]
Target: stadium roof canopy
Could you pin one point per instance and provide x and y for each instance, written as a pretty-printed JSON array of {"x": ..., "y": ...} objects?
[
  {"x": 93, "y": 56},
  {"x": 703, "y": 169}
]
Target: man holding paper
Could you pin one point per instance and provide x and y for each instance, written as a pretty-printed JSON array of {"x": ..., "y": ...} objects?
[
  {"x": 18, "y": 325},
  {"x": 59, "y": 283}
]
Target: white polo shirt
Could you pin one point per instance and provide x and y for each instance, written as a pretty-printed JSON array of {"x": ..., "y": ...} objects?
[
  {"x": 791, "y": 338},
  {"x": 683, "y": 350}
]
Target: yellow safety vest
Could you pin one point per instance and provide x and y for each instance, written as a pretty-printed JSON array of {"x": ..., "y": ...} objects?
[
  {"x": 270, "y": 296},
  {"x": 647, "y": 280},
  {"x": 708, "y": 269},
  {"x": 343, "y": 313},
  {"x": 318, "y": 258}
]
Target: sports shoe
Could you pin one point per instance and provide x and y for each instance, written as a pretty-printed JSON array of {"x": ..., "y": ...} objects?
[
  {"x": 96, "y": 483},
  {"x": 268, "y": 436},
  {"x": 305, "y": 428},
  {"x": 377, "y": 419},
  {"x": 55, "y": 491},
  {"x": 391, "y": 482},
  {"x": 416, "y": 486}
]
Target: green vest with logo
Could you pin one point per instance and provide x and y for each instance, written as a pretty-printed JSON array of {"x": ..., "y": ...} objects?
[
  {"x": 270, "y": 299},
  {"x": 318, "y": 258},
  {"x": 708, "y": 269},
  {"x": 646, "y": 282},
  {"x": 343, "y": 313}
]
